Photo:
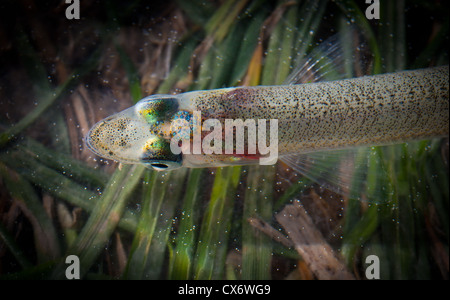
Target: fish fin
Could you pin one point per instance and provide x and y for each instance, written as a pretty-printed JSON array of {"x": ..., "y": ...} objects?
[
  {"x": 343, "y": 55},
  {"x": 358, "y": 173}
]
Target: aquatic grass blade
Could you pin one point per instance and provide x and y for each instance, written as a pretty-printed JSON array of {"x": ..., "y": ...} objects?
[
  {"x": 151, "y": 205},
  {"x": 132, "y": 74},
  {"x": 50, "y": 98},
  {"x": 182, "y": 255},
  {"x": 45, "y": 237},
  {"x": 256, "y": 247},
  {"x": 103, "y": 219},
  {"x": 180, "y": 66},
  {"x": 213, "y": 238},
  {"x": 247, "y": 48},
  {"x": 353, "y": 13},
  {"x": 159, "y": 198},
  {"x": 161, "y": 238}
]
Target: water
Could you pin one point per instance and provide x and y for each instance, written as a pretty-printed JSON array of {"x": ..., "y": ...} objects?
[{"x": 131, "y": 222}]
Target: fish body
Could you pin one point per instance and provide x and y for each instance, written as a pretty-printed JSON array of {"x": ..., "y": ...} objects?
[{"x": 364, "y": 111}]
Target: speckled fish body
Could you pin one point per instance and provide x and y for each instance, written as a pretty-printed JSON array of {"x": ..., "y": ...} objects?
[
  {"x": 370, "y": 110},
  {"x": 365, "y": 111}
]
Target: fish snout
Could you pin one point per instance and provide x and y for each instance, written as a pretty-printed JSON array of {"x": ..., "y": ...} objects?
[{"x": 120, "y": 137}]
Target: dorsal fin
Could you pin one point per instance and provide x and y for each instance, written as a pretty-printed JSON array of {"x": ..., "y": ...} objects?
[{"x": 343, "y": 55}]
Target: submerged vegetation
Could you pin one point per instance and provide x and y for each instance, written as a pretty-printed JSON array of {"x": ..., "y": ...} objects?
[{"x": 59, "y": 76}]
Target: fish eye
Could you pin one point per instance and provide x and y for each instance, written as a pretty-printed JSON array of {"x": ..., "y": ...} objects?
[
  {"x": 158, "y": 155},
  {"x": 164, "y": 165},
  {"x": 158, "y": 166}
]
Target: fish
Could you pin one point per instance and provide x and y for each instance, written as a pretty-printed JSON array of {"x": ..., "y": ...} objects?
[{"x": 311, "y": 117}]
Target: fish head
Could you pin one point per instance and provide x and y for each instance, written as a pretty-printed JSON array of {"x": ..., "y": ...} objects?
[{"x": 138, "y": 135}]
